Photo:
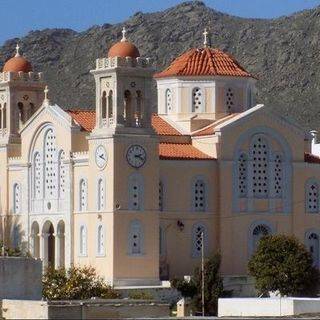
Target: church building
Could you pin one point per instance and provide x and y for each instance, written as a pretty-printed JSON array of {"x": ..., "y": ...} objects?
[{"x": 139, "y": 195}]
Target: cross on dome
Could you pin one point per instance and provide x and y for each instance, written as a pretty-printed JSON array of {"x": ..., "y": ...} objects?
[
  {"x": 17, "y": 50},
  {"x": 205, "y": 34},
  {"x": 124, "y": 31}
]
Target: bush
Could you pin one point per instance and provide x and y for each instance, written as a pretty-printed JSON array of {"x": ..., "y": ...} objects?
[
  {"x": 12, "y": 252},
  {"x": 140, "y": 295},
  {"x": 187, "y": 289},
  {"x": 213, "y": 286},
  {"x": 76, "y": 283},
  {"x": 281, "y": 263}
]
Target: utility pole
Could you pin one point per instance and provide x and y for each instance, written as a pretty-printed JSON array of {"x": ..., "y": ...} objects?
[{"x": 202, "y": 272}]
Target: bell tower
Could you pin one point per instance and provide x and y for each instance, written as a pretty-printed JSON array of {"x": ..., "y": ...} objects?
[
  {"x": 21, "y": 94},
  {"x": 123, "y": 88},
  {"x": 124, "y": 138}
]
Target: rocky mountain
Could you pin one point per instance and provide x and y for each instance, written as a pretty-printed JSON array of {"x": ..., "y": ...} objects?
[{"x": 283, "y": 53}]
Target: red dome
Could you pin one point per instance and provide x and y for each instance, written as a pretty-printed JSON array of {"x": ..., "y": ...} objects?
[
  {"x": 17, "y": 64},
  {"x": 124, "y": 49}
]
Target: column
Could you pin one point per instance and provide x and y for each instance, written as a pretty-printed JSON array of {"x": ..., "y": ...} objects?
[
  {"x": 44, "y": 249},
  {"x": 32, "y": 244},
  {"x": 57, "y": 253}
]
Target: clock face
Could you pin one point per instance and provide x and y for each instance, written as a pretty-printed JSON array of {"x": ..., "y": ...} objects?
[
  {"x": 101, "y": 157},
  {"x": 136, "y": 156}
]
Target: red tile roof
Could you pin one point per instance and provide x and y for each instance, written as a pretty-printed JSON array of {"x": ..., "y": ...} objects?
[
  {"x": 167, "y": 151},
  {"x": 178, "y": 151},
  {"x": 204, "y": 62},
  {"x": 162, "y": 127},
  {"x": 311, "y": 158},
  {"x": 85, "y": 118}
]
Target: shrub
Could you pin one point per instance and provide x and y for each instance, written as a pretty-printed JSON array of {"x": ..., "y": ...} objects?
[
  {"x": 12, "y": 252},
  {"x": 140, "y": 295},
  {"x": 76, "y": 283},
  {"x": 213, "y": 285},
  {"x": 281, "y": 263},
  {"x": 188, "y": 289}
]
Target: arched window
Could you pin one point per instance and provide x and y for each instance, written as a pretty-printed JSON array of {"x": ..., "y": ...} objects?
[
  {"x": 4, "y": 116},
  {"x": 313, "y": 247},
  {"x": 16, "y": 198},
  {"x": 277, "y": 176},
  {"x": 62, "y": 175},
  {"x": 139, "y": 112},
  {"x": 83, "y": 195},
  {"x": 168, "y": 105},
  {"x": 135, "y": 241},
  {"x": 127, "y": 108},
  {"x": 199, "y": 195},
  {"x": 160, "y": 196},
  {"x": 162, "y": 245},
  {"x": 100, "y": 241},
  {"x": 312, "y": 197},
  {"x": 21, "y": 112},
  {"x": 50, "y": 170},
  {"x": 259, "y": 153},
  {"x": 242, "y": 175},
  {"x": 101, "y": 195},
  {"x": 37, "y": 179},
  {"x": 135, "y": 192},
  {"x": 197, "y": 100},
  {"x": 16, "y": 237},
  {"x": 229, "y": 99},
  {"x": 83, "y": 241},
  {"x": 110, "y": 104},
  {"x": 259, "y": 232},
  {"x": 104, "y": 105},
  {"x": 199, "y": 239}
]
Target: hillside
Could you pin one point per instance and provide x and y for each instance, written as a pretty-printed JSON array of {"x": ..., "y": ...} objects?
[{"x": 283, "y": 53}]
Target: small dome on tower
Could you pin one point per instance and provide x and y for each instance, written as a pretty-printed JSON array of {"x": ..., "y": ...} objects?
[
  {"x": 17, "y": 64},
  {"x": 124, "y": 48}
]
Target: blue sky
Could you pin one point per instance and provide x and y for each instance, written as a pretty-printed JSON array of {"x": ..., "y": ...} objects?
[{"x": 18, "y": 17}]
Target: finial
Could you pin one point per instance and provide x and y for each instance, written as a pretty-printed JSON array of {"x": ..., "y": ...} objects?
[
  {"x": 17, "y": 50},
  {"x": 205, "y": 34},
  {"x": 124, "y": 31},
  {"x": 46, "y": 100}
]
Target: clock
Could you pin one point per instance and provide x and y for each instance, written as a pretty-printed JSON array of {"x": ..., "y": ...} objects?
[
  {"x": 136, "y": 156},
  {"x": 101, "y": 157}
]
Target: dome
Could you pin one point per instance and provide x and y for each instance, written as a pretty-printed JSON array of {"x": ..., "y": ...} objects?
[
  {"x": 124, "y": 49},
  {"x": 204, "y": 62},
  {"x": 17, "y": 64}
]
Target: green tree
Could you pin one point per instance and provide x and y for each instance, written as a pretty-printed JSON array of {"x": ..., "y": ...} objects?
[
  {"x": 282, "y": 263},
  {"x": 213, "y": 285},
  {"x": 75, "y": 283}
]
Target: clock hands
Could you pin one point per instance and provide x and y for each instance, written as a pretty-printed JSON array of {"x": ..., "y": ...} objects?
[
  {"x": 140, "y": 156},
  {"x": 102, "y": 157}
]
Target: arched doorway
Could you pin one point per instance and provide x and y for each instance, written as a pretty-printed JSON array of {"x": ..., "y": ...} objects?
[
  {"x": 48, "y": 245},
  {"x": 60, "y": 243},
  {"x": 35, "y": 240}
]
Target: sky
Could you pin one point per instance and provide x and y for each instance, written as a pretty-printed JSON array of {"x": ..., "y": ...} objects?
[{"x": 18, "y": 17}]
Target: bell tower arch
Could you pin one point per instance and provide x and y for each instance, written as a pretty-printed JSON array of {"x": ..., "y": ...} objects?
[{"x": 123, "y": 88}]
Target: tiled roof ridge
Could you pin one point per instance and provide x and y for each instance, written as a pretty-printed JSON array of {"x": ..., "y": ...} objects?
[
  {"x": 181, "y": 151},
  {"x": 205, "y": 62}
]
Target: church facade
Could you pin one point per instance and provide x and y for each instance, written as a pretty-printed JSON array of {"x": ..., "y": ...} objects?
[{"x": 138, "y": 195}]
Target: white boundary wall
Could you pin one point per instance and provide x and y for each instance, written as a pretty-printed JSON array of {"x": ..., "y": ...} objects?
[{"x": 267, "y": 307}]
